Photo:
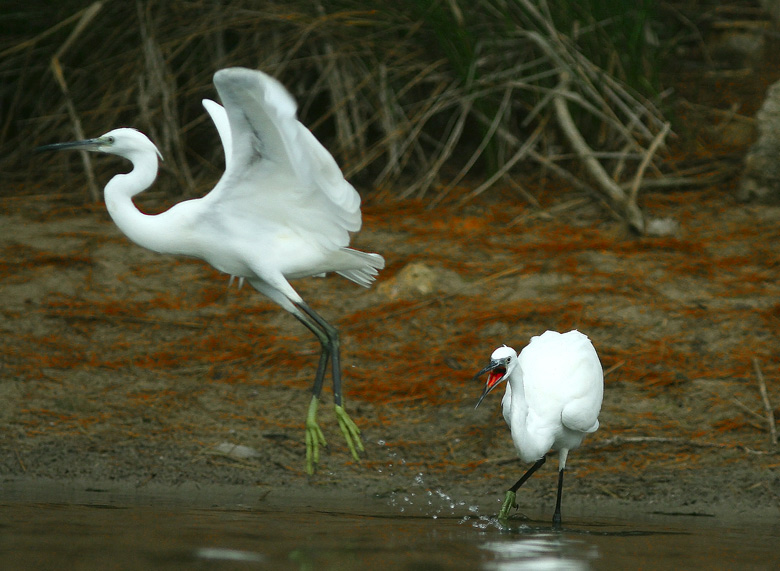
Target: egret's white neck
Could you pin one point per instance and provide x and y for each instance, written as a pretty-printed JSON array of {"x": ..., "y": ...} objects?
[
  {"x": 515, "y": 380},
  {"x": 154, "y": 232}
]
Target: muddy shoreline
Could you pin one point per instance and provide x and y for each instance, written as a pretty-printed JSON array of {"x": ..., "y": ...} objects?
[{"x": 133, "y": 370}]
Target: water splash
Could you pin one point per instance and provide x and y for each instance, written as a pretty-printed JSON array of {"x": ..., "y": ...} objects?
[{"x": 430, "y": 501}]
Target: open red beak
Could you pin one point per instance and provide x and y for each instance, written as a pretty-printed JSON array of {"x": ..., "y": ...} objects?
[{"x": 496, "y": 373}]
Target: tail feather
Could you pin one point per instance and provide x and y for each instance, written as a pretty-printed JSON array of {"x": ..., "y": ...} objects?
[{"x": 369, "y": 266}]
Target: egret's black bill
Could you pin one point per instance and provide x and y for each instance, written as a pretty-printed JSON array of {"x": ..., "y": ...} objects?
[{"x": 85, "y": 145}]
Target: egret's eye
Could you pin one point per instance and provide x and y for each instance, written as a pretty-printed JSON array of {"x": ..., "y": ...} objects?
[{"x": 110, "y": 139}]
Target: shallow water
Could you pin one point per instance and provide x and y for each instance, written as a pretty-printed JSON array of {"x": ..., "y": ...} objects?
[{"x": 115, "y": 531}]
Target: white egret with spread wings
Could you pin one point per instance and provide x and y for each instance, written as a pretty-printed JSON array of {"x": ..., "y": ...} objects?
[{"x": 282, "y": 210}]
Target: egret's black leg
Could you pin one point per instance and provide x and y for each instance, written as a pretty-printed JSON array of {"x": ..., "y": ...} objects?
[
  {"x": 509, "y": 501},
  {"x": 315, "y": 327},
  {"x": 539, "y": 463},
  {"x": 331, "y": 348},
  {"x": 319, "y": 378},
  {"x": 557, "y": 514},
  {"x": 348, "y": 428},
  {"x": 329, "y": 341}
]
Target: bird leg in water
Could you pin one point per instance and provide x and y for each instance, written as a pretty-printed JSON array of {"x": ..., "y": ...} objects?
[
  {"x": 329, "y": 340},
  {"x": 557, "y": 514},
  {"x": 509, "y": 501}
]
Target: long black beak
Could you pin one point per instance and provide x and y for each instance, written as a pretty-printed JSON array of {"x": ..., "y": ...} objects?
[
  {"x": 489, "y": 386},
  {"x": 85, "y": 145}
]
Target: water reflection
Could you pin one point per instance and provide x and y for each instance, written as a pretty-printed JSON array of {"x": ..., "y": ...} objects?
[
  {"x": 224, "y": 554},
  {"x": 553, "y": 553},
  {"x": 361, "y": 533}
]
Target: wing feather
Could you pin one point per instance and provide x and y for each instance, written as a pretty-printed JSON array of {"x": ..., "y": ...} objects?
[
  {"x": 219, "y": 117},
  {"x": 278, "y": 171}
]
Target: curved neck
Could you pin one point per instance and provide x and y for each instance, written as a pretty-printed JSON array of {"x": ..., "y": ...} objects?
[
  {"x": 515, "y": 380},
  {"x": 154, "y": 232}
]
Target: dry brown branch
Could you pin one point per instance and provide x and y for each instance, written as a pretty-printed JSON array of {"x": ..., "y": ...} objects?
[
  {"x": 680, "y": 182},
  {"x": 478, "y": 152},
  {"x": 520, "y": 154},
  {"x": 425, "y": 182},
  {"x": 651, "y": 150},
  {"x": 623, "y": 203},
  {"x": 27, "y": 44},
  {"x": 574, "y": 181},
  {"x": 621, "y": 440},
  {"x": 549, "y": 213},
  {"x": 524, "y": 192},
  {"x": 770, "y": 414},
  {"x": 19, "y": 460},
  {"x": 56, "y": 69}
]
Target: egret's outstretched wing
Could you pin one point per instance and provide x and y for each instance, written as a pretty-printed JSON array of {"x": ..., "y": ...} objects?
[
  {"x": 278, "y": 171},
  {"x": 220, "y": 119}
]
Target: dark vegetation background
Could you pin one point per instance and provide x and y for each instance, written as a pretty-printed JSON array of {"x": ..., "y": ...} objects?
[{"x": 411, "y": 97}]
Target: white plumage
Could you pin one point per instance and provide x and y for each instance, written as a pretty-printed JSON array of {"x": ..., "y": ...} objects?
[
  {"x": 282, "y": 210},
  {"x": 552, "y": 400}
]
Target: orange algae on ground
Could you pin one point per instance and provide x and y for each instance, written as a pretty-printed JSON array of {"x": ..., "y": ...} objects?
[{"x": 409, "y": 362}]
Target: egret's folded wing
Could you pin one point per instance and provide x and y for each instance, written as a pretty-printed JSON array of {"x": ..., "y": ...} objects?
[
  {"x": 581, "y": 415},
  {"x": 587, "y": 382},
  {"x": 562, "y": 373}
]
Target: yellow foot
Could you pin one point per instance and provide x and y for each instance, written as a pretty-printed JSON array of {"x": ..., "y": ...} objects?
[
  {"x": 314, "y": 438},
  {"x": 350, "y": 431},
  {"x": 509, "y": 503}
]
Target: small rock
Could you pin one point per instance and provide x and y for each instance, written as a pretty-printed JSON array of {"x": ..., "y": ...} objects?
[
  {"x": 662, "y": 227},
  {"x": 414, "y": 280},
  {"x": 236, "y": 451},
  {"x": 417, "y": 279}
]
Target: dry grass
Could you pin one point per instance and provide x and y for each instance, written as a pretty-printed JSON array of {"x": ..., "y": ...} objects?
[{"x": 411, "y": 98}]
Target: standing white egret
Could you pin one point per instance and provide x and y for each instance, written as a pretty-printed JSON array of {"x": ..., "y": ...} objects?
[
  {"x": 282, "y": 210},
  {"x": 552, "y": 400}
]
